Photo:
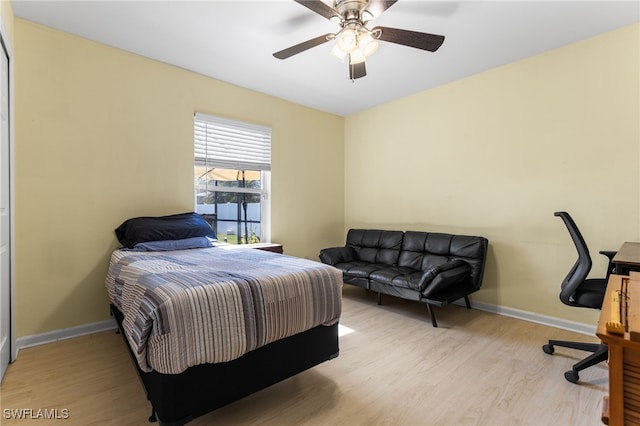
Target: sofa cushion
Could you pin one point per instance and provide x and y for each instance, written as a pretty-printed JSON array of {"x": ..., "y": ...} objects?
[
  {"x": 336, "y": 255},
  {"x": 376, "y": 246},
  {"x": 398, "y": 276},
  {"x": 402, "y": 276},
  {"x": 359, "y": 268},
  {"x": 424, "y": 250}
]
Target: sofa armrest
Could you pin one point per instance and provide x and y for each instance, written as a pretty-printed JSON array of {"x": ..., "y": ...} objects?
[
  {"x": 439, "y": 279},
  {"x": 335, "y": 255}
]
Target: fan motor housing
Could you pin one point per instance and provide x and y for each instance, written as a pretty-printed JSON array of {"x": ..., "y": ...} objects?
[{"x": 350, "y": 9}]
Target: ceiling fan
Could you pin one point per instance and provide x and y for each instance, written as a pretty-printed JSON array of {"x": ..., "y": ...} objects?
[{"x": 354, "y": 39}]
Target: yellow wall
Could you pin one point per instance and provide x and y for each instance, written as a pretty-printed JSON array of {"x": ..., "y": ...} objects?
[
  {"x": 103, "y": 135},
  {"x": 497, "y": 153},
  {"x": 6, "y": 12}
]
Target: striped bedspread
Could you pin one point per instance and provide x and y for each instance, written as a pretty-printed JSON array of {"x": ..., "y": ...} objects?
[{"x": 209, "y": 305}]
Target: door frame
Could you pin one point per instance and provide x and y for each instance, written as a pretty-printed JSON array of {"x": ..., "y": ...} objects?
[{"x": 6, "y": 42}]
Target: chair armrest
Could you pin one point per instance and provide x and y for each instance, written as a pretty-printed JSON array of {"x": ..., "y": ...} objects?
[
  {"x": 440, "y": 278},
  {"x": 609, "y": 254},
  {"x": 335, "y": 255},
  {"x": 611, "y": 268}
]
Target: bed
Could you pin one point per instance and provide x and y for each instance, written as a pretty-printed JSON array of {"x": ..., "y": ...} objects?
[{"x": 207, "y": 325}]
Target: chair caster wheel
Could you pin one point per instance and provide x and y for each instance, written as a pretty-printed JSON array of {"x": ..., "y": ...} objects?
[
  {"x": 571, "y": 376},
  {"x": 548, "y": 349}
]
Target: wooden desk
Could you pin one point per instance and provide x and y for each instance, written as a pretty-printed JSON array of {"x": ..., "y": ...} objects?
[
  {"x": 627, "y": 258},
  {"x": 624, "y": 357}
]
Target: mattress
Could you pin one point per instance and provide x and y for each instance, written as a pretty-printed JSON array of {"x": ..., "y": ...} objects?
[{"x": 210, "y": 305}]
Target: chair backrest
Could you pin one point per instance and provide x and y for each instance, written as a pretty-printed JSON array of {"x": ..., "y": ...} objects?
[{"x": 581, "y": 268}]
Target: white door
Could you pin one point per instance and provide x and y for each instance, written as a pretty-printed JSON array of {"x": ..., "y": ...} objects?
[{"x": 5, "y": 216}]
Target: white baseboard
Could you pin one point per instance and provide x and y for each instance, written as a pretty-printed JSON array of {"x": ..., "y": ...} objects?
[
  {"x": 66, "y": 333},
  {"x": 574, "y": 326}
]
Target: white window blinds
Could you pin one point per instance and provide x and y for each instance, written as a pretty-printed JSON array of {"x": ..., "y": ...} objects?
[{"x": 230, "y": 144}]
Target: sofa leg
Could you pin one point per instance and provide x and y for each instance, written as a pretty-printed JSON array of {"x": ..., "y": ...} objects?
[
  {"x": 432, "y": 315},
  {"x": 466, "y": 299},
  {"x": 379, "y": 298},
  {"x": 152, "y": 417}
]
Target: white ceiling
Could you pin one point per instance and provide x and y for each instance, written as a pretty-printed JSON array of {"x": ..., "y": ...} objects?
[{"x": 233, "y": 41}]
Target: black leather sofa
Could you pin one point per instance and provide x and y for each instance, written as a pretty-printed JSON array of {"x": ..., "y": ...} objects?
[{"x": 432, "y": 268}]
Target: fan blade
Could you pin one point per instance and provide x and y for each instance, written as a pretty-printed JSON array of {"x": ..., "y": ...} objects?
[
  {"x": 357, "y": 70},
  {"x": 424, "y": 41},
  {"x": 376, "y": 7},
  {"x": 318, "y": 7},
  {"x": 301, "y": 47}
]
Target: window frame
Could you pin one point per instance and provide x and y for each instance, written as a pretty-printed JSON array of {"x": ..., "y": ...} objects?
[{"x": 229, "y": 162}]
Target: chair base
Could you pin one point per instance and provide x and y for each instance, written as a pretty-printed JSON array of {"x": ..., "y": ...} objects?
[{"x": 599, "y": 353}]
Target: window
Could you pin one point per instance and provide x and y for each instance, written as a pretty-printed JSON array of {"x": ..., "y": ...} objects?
[{"x": 232, "y": 178}]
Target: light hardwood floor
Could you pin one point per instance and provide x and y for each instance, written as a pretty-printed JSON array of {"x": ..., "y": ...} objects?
[{"x": 477, "y": 368}]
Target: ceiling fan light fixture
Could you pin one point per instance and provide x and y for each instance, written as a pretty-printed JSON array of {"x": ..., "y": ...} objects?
[
  {"x": 367, "y": 44},
  {"x": 347, "y": 40},
  {"x": 356, "y": 57},
  {"x": 338, "y": 52}
]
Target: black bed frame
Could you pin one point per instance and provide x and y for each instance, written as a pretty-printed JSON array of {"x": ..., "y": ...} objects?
[{"x": 179, "y": 398}]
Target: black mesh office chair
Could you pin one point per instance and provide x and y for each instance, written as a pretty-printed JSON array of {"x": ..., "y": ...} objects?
[{"x": 580, "y": 291}]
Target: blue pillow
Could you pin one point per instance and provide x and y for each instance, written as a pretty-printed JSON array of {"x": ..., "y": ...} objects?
[
  {"x": 162, "y": 228},
  {"x": 166, "y": 245}
]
